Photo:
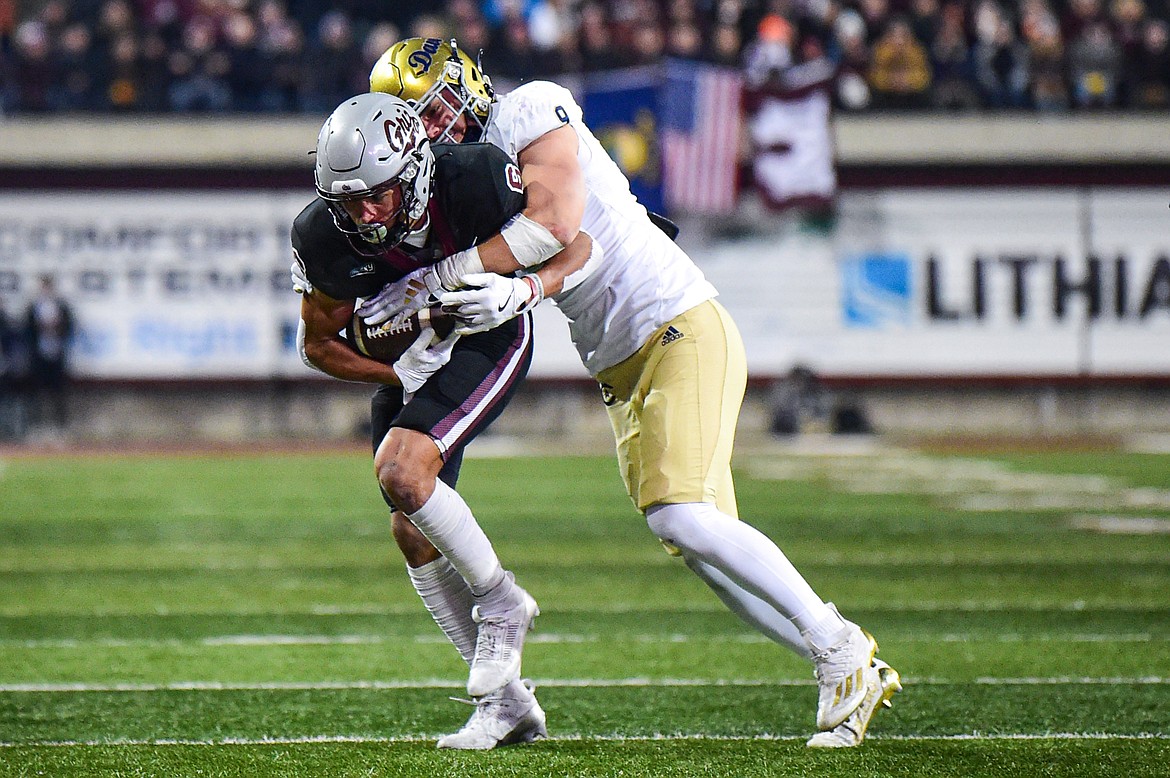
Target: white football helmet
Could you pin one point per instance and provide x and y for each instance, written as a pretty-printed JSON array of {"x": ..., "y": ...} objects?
[{"x": 370, "y": 143}]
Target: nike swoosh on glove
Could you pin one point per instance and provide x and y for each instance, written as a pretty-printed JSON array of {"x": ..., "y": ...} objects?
[{"x": 488, "y": 300}]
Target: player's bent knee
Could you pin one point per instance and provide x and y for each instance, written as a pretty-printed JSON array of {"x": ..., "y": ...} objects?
[
  {"x": 406, "y": 464},
  {"x": 686, "y": 526}
]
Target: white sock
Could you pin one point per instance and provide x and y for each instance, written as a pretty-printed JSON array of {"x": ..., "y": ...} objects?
[
  {"x": 749, "y": 558},
  {"x": 751, "y": 608},
  {"x": 447, "y": 522},
  {"x": 449, "y": 601}
]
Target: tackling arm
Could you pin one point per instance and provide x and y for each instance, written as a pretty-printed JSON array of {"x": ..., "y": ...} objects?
[
  {"x": 555, "y": 188},
  {"x": 487, "y": 300}
]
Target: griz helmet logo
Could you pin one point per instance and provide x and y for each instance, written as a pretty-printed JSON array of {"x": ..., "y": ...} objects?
[
  {"x": 399, "y": 129},
  {"x": 421, "y": 60}
]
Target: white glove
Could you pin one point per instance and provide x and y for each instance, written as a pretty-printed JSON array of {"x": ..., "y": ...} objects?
[
  {"x": 400, "y": 299},
  {"x": 421, "y": 288},
  {"x": 300, "y": 279},
  {"x": 489, "y": 300},
  {"x": 423, "y": 359}
]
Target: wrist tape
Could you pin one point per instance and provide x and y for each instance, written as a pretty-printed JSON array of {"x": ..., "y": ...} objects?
[
  {"x": 452, "y": 270},
  {"x": 537, "y": 287}
]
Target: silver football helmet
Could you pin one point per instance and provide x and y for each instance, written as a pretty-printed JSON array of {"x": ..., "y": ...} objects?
[{"x": 369, "y": 144}]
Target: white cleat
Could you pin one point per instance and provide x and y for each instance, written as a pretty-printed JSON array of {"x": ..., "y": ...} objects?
[
  {"x": 505, "y": 717},
  {"x": 844, "y": 672},
  {"x": 499, "y": 646},
  {"x": 851, "y": 731}
]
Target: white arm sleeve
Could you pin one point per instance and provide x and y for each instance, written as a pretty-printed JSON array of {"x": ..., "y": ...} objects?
[{"x": 301, "y": 346}]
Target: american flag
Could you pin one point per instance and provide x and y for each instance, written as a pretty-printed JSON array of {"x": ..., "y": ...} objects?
[{"x": 701, "y": 117}]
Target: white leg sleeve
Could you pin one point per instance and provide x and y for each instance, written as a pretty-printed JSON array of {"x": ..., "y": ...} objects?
[
  {"x": 447, "y": 522},
  {"x": 757, "y": 613},
  {"x": 746, "y": 556},
  {"x": 449, "y": 601}
]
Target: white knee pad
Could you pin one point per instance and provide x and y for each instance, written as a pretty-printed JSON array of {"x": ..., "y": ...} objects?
[{"x": 691, "y": 526}]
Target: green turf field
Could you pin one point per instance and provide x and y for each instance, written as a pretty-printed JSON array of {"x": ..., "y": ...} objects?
[{"x": 247, "y": 615}]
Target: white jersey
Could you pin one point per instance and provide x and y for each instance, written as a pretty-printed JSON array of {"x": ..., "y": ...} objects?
[{"x": 639, "y": 278}]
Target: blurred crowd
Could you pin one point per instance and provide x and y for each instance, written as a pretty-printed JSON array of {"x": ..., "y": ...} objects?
[{"x": 302, "y": 56}]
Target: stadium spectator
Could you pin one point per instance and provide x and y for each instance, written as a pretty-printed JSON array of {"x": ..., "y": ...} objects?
[
  {"x": 273, "y": 56},
  {"x": 49, "y": 326},
  {"x": 79, "y": 72},
  {"x": 725, "y": 45},
  {"x": 927, "y": 19},
  {"x": 1094, "y": 62},
  {"x": 649, "y": 44},
  {"x": 1001, "y": 65},
  {"x": 379, "y": 38},
  {"x": 247, "y": 72},
  {"x": 334, "y": 68},
  {"x": 519, "y": 58},
  {"x": 1048, "y": 81},
  {"x": 876, "y": 15},
  {"x": 281, "y": 45},
  {"x": 124, "y": 86},
  {"x": 770, "y": 53},
  {"x": 853, "y": 92},
  {"x": 13, "y": 376},
  {"x": 684, "y": 40},
  {"x": 155, "y": 74},
  {"x": 952, "y": 63},
  {"x": 1078, "y": 15},
  {"x": 1148, "y": 69},
  {"x": 598, "y": 50},
  {"x": 550, "y": 23},
  {"x": 900, "y": 72},
  {"x": 1127, "y": 20},
  {"x": 115, "y": 20},
  {"x": 199, "y": 71},
  {"x": 33, "y": 71}
]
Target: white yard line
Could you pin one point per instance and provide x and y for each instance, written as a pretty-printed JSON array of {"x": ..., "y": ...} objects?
[
  {"x": 887, "y": 606},
  {"x": 573, "y": 683},
  {"x": 550, "y": 638},
  {"x": 357, "y": 739}
]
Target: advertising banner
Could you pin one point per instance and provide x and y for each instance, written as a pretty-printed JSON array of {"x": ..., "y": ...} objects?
[
  {"x": 962, "y": 282},
  {"x": 910, "y": 283}
]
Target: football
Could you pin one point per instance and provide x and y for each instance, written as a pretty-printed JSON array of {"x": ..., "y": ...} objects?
[{"x": 386, "y": 344}]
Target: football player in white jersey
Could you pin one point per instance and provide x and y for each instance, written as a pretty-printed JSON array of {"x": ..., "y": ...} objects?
[{"x": 643, "y": 318}]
